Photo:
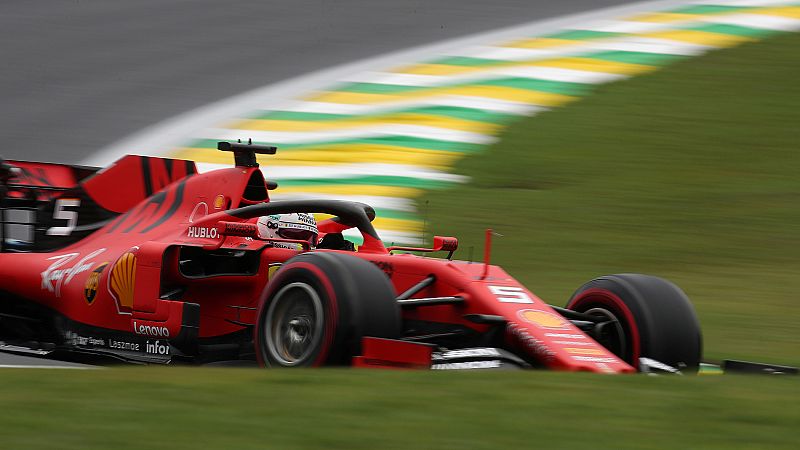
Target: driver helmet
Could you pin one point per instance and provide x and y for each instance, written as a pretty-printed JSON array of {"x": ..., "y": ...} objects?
[{"x": 297, "y": 226}]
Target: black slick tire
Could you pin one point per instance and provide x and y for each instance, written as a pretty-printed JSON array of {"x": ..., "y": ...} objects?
[
  {"x": 657, "y": 319},
  {"x": 317, "y": 308}
]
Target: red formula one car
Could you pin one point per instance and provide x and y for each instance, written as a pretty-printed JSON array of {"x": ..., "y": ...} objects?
[{"x": 148, "y": 261}]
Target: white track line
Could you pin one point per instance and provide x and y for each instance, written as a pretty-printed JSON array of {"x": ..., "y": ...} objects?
[
  {"x": 377, "y": 202},
  {"x": 461, "y": 101},
  {"x": 758, "y": 21},
  {"x": 30, "y": 366},
  {"x": 377, "y": 130},
  {"x": 534, "y": 72}
]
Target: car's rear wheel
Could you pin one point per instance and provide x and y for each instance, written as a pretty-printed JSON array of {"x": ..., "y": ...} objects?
[
  {"x": 317, "y": 308},
  {"x": 648, "y": 317}
]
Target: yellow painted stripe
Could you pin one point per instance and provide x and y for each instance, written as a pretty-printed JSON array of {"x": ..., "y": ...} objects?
[
  {"x": 429, "y": 159},
  {"x": 441, "y": 69},
  {"x": 495, "y": 92},
  {"x": 700, "y": 37},
  {"x": 512, "y": 94},
  {"x": 350, "y": 97},
  {"x": 595, "y": 65},
  {"x": 541, "y": 43},
  {"x": 409, "y": 226},
  {"x": 792, "y": 12},
  {"x": 450, "y": 123},
  {"x": 661, "y": 17},
  {"x": 326, "y": 155}
]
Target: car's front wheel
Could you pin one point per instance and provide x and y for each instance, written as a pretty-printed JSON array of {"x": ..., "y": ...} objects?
[
  {"x": 648, "y": 317},
  {"x": 317, "y": 308}
]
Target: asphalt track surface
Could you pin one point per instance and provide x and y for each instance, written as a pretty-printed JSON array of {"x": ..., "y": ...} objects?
[{"x": 80, "y": 74}]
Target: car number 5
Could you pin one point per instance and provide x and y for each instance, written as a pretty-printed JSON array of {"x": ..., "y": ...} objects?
[
  {"x": 510, "y": 294},
  {"x": 61, "y": 213}
]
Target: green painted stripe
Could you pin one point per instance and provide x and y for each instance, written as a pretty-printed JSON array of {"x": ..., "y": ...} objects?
[
  {"x": 734, "y": 30},
  {"x": 455, "y": 112},
  {"x": 465, "y": 61},
  {"x": 647, "y": 59},
  {"x": 398, "y": 141},
  {"x": 581, "y": 35},
  {"x": 708, "y": 9},
  {"x": 374, "y": 88},
  {"x": 376, "y": 180},
  {"x": 295, "y": 115},
  {"x": 533, "y": 84}
]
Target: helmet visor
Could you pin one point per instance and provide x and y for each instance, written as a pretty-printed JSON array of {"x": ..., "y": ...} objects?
[{"x": 297, "y": 234}]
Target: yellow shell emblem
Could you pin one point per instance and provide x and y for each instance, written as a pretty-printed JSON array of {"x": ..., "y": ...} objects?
[
  {"x": 272, "y": 269},
  {"x": 585, "y": 351},
  {"x": 219, "y": 201},
  {"x": 123, "y": 278},
  {"x": 543, "y": 319}
]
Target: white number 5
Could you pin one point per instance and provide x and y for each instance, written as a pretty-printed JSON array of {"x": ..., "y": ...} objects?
[
  {"x": 60, "y": 213},
  {"x": 510, "y": 294}
]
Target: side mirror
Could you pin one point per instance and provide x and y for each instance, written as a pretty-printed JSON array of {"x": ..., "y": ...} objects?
[{"x": 445, "y": 243}]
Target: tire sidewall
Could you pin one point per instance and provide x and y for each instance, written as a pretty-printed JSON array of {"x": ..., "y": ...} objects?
[
  {"x": 358, "y": 300},
  {"x": 660, "y": 321},
  {"x": 311, "y": 275}
]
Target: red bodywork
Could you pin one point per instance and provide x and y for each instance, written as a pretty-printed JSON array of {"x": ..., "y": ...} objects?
[{"x": 128, "y": 277}]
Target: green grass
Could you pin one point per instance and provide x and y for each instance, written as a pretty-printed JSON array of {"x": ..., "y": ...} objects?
[
  {"x": 690, "y": 173},
  {"x": 189, "y": 408}
]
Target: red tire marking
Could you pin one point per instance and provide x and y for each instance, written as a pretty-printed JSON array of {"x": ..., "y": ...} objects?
[
  {"x": 609, "y": 299},
  {"x": 330, "y": 320}
]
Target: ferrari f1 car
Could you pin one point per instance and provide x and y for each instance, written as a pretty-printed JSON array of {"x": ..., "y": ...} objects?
[{"x": 148, "y": 261}]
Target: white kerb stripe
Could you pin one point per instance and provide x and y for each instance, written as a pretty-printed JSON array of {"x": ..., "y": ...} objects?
[
  {"x": 763, "y": 21},
  {"x": 536, "y": 72},
  {"x": 745, "y": 2},
  {"x": 459, "y": 101},
  {"x": 379, "y": 202},
  {"x": 13, "y": 366},
  {"x": 559, "y": 74},
  {"x": 338, "y": 173},
  {"x": 651, "y": 45},
  {"x": 377, "y": 130},
  {"x": 627, "y": 26}
]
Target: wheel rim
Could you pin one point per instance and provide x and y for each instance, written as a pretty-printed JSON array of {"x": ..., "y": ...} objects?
[
  {"x": 625, "y": 333},
  {"x": 294, "y": 325},
  {"x": 612, "y": 336}
]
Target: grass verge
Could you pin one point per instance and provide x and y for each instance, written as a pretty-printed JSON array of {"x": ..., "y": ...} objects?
[{"x": 190, "y": 408}]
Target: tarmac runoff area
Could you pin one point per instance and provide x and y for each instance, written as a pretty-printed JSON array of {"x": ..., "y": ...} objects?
[{"x": 383, "y": 130}]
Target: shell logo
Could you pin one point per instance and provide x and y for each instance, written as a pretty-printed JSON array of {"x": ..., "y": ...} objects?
[
  {"x": 585, "y": 351},
  {"x": 122, "y": 279},
  {"x": 272, "y": 269},
  {"x": 219, "y": 201},
  {"x": 543, "y": 319}
]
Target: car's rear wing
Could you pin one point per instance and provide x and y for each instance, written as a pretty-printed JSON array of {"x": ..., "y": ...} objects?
[{"x": 46, "y": 206}]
